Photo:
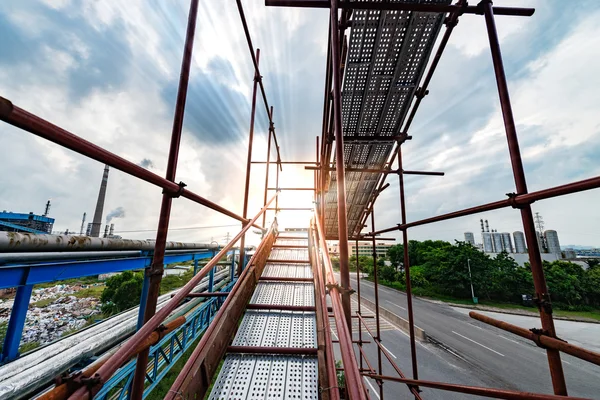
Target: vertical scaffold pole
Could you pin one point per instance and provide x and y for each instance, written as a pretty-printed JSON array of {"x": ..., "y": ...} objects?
[
  {"x": 249, "y": 160},
  {"x": 264, "y": 217},
  {"x": 539, "y": 280},
  {"x": 339, "y": 163},
  {"x": 156, "y": 270},
  {"x": 409, "y": 305},
  {"x": 376, "y": 288}
]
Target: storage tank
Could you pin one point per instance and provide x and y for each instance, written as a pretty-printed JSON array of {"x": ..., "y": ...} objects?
[
  {"x": 507, "y": 242},
  {"x": 486, "y": 238},
  {"x": 552, "y": 242},
  {"x": 520, "y": 246},
  {"x": 498, "y": 244}
]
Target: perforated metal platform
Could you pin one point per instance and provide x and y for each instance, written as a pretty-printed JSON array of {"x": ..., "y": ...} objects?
[
  {"x": 284, "y": 294},
  {"x": 288, "y": 270},
  {"x": 387, "y": 55},
  {"x": 277, "y": 329},
  {"x": 275, "y": 376},
  {"x": 262, "y": 377},
  {"x": 289, "y": 254}
]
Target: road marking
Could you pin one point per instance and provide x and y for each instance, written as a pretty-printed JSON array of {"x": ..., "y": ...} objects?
[
  {"x": 388, "y": 350},
  {"x": 485, "y": 347},
  {"x": 369, "y": 383},
  {"x": 510, "y": 340},
  {"x": 395, "y": 305}
]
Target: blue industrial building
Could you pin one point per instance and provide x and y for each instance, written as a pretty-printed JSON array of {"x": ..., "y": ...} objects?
[{"x": 21, "y": 222}]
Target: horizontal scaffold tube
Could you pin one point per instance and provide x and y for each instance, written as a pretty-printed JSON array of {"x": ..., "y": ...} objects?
[{"x": 29, "y": 122}]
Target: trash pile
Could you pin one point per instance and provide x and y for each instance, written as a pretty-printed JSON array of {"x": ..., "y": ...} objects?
[{"x": 65, "y": 314}]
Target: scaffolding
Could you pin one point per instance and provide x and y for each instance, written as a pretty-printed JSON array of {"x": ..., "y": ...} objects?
[{"x": 375, "y": 82}]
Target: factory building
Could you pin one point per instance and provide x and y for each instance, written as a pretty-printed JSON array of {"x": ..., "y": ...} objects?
[
  {"x": 552, "y": 243},
  {"x": 470, "y": 238},
  {"x": 520, "y": 246},
  {"x": 21, "y": 222}
]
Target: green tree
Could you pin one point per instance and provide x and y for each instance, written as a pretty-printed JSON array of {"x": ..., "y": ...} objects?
[{"x": 122, "y": 291}]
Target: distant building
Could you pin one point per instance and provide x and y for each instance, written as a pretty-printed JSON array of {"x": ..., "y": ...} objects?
[
  {"x": 20, "y": 222},
  {"x": 488, "y": 245},
  {"x": 520, "y": 246},
  {"x": 552, "y": 243},
  {"x": 507, "y": 242},
  {"x": 366, "y": 248},
  {"x": 470, "y": 238}
]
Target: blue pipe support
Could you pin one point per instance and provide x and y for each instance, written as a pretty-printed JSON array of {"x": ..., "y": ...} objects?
[
  {"x": 195, "y": 266},
  {"x": 143, "y": 299},
  {"x": 211, "y": 277},
  {"x": 232, "y": 270},
  {"x": 10, "y": 350},
  {"x": 31, "y": 274}
]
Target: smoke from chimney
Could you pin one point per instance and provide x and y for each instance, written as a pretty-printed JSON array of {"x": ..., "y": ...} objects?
[{"x": 118, "y": 212}]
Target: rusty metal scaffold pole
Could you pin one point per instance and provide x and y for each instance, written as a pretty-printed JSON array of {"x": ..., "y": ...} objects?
[
  {"x": 539, "y": 280},
  {"x": 377, "y": 318},
  {"x": 155, "y": 272},
  {"x": 249, "y": 164},
  {"x": 339, "y": 158}
]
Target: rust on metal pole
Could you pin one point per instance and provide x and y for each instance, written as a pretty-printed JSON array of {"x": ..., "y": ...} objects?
[
  {"x": 126, "y": 351},
  {"x": 376, "y": 290},
  {"x": 539, "y": 280},
  {"x": 339, "y": 161},
  {"x": 411, "y": 320},
  {"x": 249, "y": 163},
  {"x": 477, "y": 391},
  {"x": 360, "y": 341},
  {"x": 354, "y": 385},
  {"x": 268, "y": 167},
  {"x": 540, "y": 339},
  {"x": 155, "y": 272}
]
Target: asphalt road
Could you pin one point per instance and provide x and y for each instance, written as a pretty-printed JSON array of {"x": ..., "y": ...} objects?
[{"x": 466, "y": 351}]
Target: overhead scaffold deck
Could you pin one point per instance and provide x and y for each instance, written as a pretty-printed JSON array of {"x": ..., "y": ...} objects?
[{"x": 271, "y": 336}]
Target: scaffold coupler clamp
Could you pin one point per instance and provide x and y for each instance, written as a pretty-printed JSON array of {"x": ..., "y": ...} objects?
[
  {"x": 421, "y": 92},
  {"x": 542, "y": 301},
  {"x": 340, "y": 289},
  {"x": 178, "y": 193},
  {"x": 512, "y": 199}
]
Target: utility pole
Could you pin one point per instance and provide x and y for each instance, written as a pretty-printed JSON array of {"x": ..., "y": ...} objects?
[{"x": 471, "y": 280}]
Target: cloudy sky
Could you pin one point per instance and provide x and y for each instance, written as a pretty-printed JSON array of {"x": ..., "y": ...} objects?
[{"x": 108, "y": 72}]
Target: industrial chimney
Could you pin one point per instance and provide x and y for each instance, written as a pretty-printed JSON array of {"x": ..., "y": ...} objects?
[
  {"x": 112, "y": 230},
  {"x": 97, "y": 221},
  {"x": 106, "y": 231},
  {"x": 82, "y": 224},
  {"x": 47, "y": 210}
]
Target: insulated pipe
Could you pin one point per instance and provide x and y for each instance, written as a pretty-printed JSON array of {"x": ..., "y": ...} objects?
[
  {"x": 17, "y": 242},
  {"x": 124, "y": 353}
]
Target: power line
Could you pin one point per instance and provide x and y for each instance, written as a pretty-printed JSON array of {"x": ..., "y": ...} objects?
[{"x": 180, "y": 229}]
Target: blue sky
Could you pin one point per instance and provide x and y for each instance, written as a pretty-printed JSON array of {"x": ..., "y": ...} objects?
[{"x": 108, "y": 72}]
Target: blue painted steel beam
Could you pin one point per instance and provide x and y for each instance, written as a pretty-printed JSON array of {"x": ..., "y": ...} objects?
[
  {"x": 13, "y": 276},
  {"x": 20, "y": 228},
  {"x": 10, "y": 350}
]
